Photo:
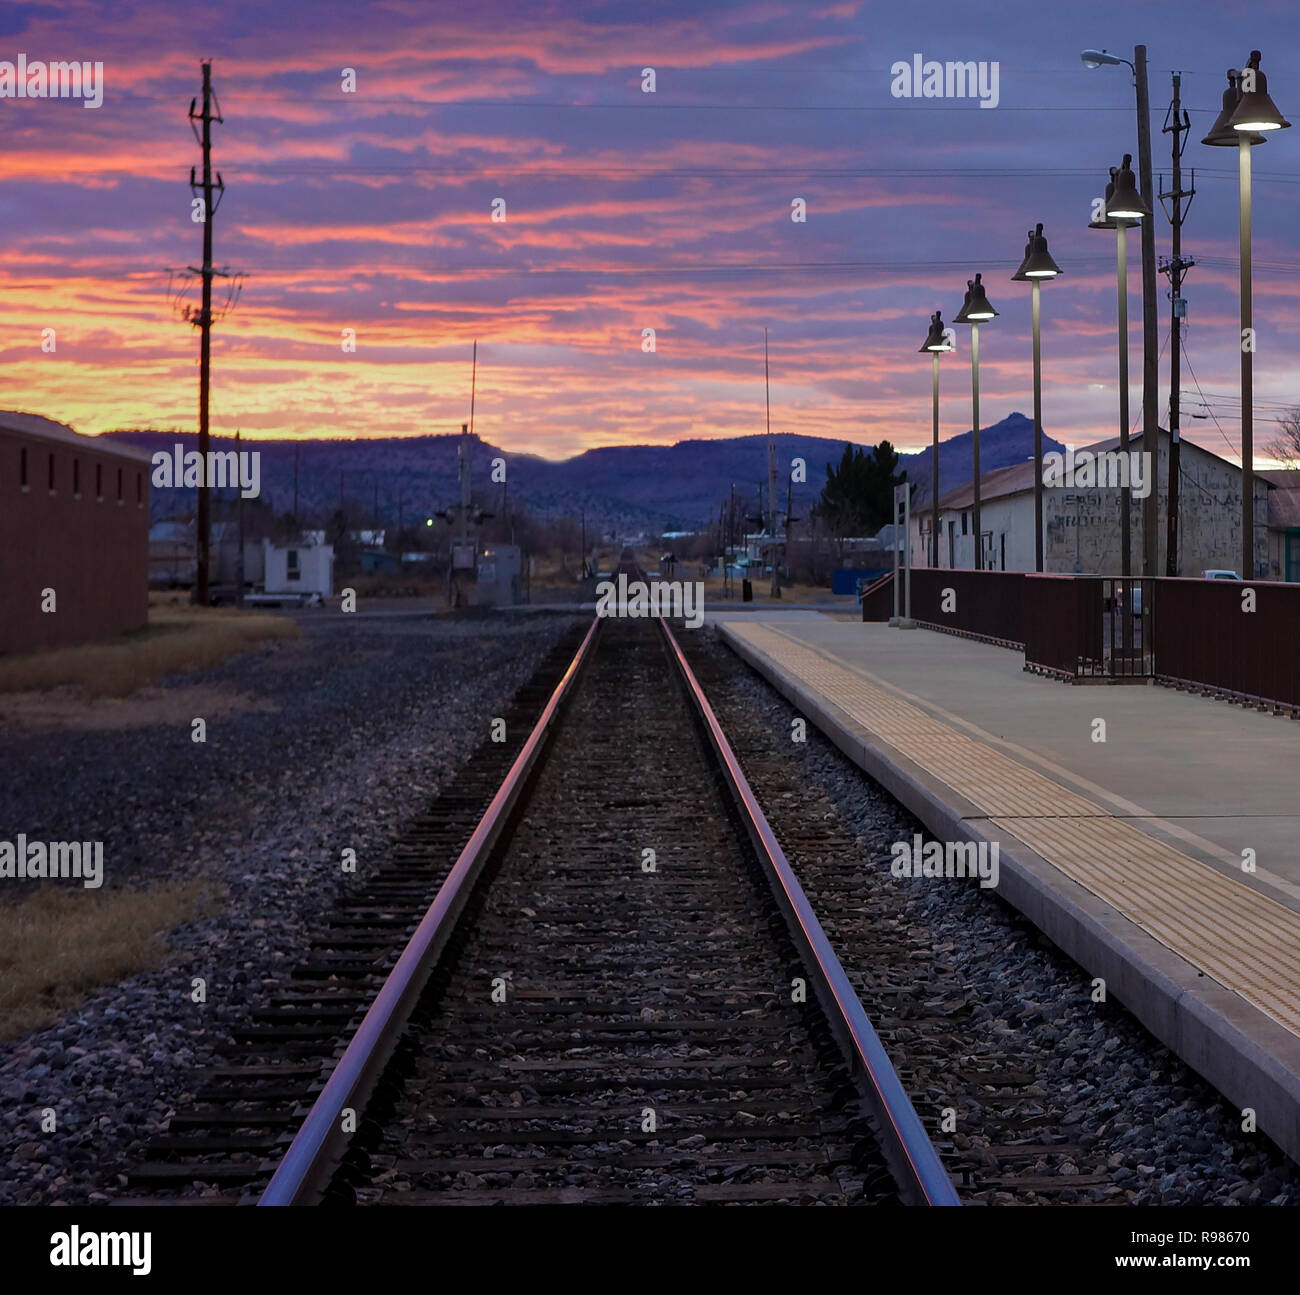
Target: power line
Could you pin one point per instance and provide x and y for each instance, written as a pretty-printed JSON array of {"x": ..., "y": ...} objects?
[
  {"x": 1236, "y": 449},
  {"x": 530, "y": 172}
]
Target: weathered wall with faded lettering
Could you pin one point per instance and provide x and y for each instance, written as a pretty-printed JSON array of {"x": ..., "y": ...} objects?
[{"x": 1081, "y": 524}]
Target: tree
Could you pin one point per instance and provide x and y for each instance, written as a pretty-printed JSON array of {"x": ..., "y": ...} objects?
[
  {"x": 1286, "y": 448},
  {"x": 858, "y": 497}
]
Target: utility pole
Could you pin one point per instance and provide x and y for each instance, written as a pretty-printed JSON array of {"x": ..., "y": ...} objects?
[
  {"x": 297, "y": 447},
  {"x": 204, "y": 318},
  {"x": 789, "y": 518},
  {"x": 1176, "y": 125},
  {"x": 775, "y": 590},
  {"x": 731, "y": 543},
  {"x": 1150, "y": 340},
  {"x": 239, "y": 560},
  {"x": 473, "y": 382}
]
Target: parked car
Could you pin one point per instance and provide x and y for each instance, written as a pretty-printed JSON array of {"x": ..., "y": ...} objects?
[{"x": 1219, "y": 573}]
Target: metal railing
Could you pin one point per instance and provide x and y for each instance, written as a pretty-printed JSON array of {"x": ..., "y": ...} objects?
[
  {"x": 1194, "y": 633},
  {"x": 986, "y": 605},
  {"x": 1063, "y": 628},
  {"x": 1206, "y": 638}
]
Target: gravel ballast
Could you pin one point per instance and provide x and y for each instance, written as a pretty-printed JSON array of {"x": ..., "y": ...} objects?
[
  {"x": 1164, "y": 1135},
  {"x": 356, "y": 727}
]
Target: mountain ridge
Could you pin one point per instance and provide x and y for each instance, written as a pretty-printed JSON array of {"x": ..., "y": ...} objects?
[{"x": 624, "y": 488}]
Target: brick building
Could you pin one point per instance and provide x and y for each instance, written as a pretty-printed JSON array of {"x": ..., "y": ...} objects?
[{"x": 74, "y": 519}]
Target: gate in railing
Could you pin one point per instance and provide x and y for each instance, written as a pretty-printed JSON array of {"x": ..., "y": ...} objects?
[{"x": 1089, "y": 627}]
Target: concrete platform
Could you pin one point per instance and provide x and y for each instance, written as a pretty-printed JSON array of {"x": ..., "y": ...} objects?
[{"x": 1127, "y": 852}]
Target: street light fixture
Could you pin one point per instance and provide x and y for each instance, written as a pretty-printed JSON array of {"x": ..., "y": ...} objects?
[
  {"x": 1247, "y": 112},
  {"x": 1037, "y": 266},
  {"x": 1126, "y": 203},
  {"x": 1121, "y": 200},
  {"x": 936, "y": 342},
  {"x": 1136, "y": 202},
  {"x": 974, "y": 310},
  {"x": 1095, "y": 58}
]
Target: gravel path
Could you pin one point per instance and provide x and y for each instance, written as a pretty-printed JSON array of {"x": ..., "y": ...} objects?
[{"x": 360, "y": 724}]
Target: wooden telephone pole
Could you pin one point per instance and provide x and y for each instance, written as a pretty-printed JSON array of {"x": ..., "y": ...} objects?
[
  {"x": 1176, "y": 125},
  {"x": 204, "y": 317},
  {"x": 203, "y": 209}
]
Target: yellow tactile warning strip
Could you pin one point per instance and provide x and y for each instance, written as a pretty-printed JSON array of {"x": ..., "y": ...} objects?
[{"x": 1244, "y": 940}]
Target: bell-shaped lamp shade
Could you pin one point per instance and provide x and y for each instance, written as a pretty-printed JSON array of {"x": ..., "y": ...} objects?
[
  {"x": 976, "y": 308},
  {"x": 1255, "y": 110},
  {"x": 1106, "y": 222},
  {"x": 1126, "y": 203},
  {"x": 1039, "y": 264},
  {"x": 935, "y": 340},
  {"x": 1221, "y": 133}
]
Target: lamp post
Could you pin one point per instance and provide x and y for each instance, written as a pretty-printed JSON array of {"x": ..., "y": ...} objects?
[
  {"x": 974, "y": 310},
  {"x": 1123, "y": 204},
  {"x": 936, "y": 342},
  {"x": 1094, "y": 58},
  {"x": 1247, "y": 112},
  {"x": 1037, "y": 266}
]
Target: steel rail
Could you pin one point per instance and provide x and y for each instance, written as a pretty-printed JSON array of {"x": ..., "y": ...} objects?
[
  {"x": 320, "y": 1144},
  {"x": 907, "y": 1148}
]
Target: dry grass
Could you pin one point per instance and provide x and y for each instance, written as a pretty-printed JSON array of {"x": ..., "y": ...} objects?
[
  {"x": 395, "y": 584},
  {"x": 553, "y": 571},
  {"x": 60, "y": 943},
  {"x": 178, "y": 639}
]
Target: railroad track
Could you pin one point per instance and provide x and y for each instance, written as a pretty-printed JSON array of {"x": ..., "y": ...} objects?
[
  {"x": 585, "y": 974},
  {"x": 620, "y": 994},
  {"x": 226, "y": 1136},
  {"x": 1012, "y": 1141}
]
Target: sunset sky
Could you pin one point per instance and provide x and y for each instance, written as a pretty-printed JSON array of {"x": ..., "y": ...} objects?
[{"x": 624, "y": 211}]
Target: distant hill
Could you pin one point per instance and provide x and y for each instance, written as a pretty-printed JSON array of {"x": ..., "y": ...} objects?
[
  {"x": 1010, "y": 441},
  {"x": 625, "y": 488}
]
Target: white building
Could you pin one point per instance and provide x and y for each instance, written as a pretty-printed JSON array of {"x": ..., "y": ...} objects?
[
  {"x": 1081, "y": 523},
  {"x": 298, "y": 568}
]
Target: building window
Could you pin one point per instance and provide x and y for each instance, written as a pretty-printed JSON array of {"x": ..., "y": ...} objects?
[
  {"x": 292, "y": 572},
  {"x": 965, "y": 523},
  {"x": 119, "y": 485},
  {"x": 22, "y": 467},
  {"x": 51, "y": 474},
  {"x": 99, "y": 482},
  {"x": 76, "y": 478}
]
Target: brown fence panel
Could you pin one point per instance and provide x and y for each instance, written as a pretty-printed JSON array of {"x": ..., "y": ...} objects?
[
  {"x": 983, "y": 604},
  {"x": 878, "y": 599},
  {"x": 1206, "y": 637},
  {"x": 1063, "y": 624}
]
